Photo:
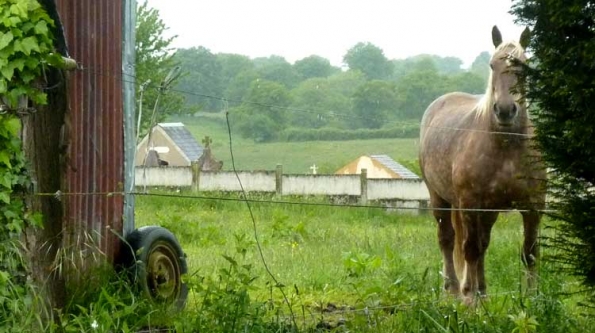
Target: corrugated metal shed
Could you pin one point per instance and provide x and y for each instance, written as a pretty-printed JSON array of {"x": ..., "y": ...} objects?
[{"x": 94, "y": 34}]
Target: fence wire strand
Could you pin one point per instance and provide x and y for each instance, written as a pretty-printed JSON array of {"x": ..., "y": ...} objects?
[{"x": 59, "y": 194}]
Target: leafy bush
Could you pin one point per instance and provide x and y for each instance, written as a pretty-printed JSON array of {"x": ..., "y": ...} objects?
[{"x": 404, "y": 130}]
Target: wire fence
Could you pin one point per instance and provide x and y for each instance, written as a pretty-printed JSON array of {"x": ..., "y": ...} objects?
[
  {"x": 244, "y": 196},
  {"x": 128, "y": 78}
]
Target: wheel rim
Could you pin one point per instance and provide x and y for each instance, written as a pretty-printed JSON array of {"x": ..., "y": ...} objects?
[{"x": 163, "y": 272}]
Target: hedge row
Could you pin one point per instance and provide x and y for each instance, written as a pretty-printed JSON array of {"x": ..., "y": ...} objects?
[{"x": 334, "y": 134}]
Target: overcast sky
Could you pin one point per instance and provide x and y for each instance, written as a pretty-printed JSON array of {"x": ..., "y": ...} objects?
[{"x": 296, "y": 29}]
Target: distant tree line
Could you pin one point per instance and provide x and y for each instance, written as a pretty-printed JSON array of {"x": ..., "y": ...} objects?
[{"x": 272, "y": 99}]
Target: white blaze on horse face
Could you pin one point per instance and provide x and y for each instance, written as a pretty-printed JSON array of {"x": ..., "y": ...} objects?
[{"x": 505, "y": 99}]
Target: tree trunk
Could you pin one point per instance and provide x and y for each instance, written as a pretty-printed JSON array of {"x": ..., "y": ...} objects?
[{"x": 45, "y": 153}]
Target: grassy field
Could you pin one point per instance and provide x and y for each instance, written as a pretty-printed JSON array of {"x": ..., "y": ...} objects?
[
  {"x": 349, "y": 269},
  {"x": 296, "y": 157},
  {"x": 341, "y": 269}
]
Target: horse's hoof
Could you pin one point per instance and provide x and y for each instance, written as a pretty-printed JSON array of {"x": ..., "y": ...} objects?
[
  {"x": 483, "y": 298},
  {"x": 469, "y": 301},
  {"x": 452, "y": 288}
]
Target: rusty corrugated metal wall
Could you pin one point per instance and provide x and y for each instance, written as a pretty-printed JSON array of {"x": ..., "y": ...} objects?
[{"x": 94, "y": 35}]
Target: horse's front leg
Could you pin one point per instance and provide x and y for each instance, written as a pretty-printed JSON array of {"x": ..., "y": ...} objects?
[
  {"x": 446, "y": 240},
  {"x": 477, "y": 228},
  {"x": 530, "y": 245}
]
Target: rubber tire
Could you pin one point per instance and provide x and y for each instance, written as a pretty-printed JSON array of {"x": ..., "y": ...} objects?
[{"x": 142, "y": 242}]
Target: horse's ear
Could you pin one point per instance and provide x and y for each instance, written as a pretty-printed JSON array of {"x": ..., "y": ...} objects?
[
  {"x": 525, "y": 38},
  {"x": 496, "y": 36}
]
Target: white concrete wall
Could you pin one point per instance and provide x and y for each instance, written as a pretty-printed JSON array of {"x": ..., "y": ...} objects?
[
  {"x": 263, "y": 181},
  {"x": 321, "y": 184},
  {"x": 163, "y": 176},
  {"x": 404, "y": 189}
]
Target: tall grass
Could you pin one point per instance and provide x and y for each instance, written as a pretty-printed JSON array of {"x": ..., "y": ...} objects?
[{"x": 357, "y": 269}]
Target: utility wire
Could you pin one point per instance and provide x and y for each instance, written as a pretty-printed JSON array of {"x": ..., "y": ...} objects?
[{"x": 266, "y": 267}]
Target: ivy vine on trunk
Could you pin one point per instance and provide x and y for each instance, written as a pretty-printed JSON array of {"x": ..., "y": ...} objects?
[{"x": 26, "y": 50}]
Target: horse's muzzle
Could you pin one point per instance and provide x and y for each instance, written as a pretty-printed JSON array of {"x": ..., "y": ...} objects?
[{"x": 505, "y": 113}]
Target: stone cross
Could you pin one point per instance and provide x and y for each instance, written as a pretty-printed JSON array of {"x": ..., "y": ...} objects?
[
  {"x": 314, "y": 168},
  {"x": 207, "y": 141}
]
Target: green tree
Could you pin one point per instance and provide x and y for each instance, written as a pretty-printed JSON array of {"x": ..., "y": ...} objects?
[
  {"x": 231, "y": 66},
  {"x": 154, "y": 60},
  {"x": 560, "y": 85},
  {"x": 444, "y": 65},
  {"x": 417, "y": 89},
  {"x": 468, "y": 82},
  {"x": 314, "y": 66},
  {"x": 370, "y": 60},
  {"x": 373, "y": 102},
  {"x": 448, "y": 65},
  {"x": 481, "y": 65},
  {"x": 202, "y": 79},
  {"x": 277, "y": 69},
  {"x": 239, "y": 87},
  {"x": 319, "y": 102},
  {"x": 264, "y": 111},
  {"x": 259, "y": 127},
  {"x": 346, "y": 83}
]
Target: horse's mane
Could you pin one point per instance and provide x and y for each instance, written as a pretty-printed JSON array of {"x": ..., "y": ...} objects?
[{"x": 484, "y": 105}]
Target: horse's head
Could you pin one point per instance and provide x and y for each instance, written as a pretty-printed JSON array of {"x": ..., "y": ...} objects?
[{"x": 505, "y": 98}]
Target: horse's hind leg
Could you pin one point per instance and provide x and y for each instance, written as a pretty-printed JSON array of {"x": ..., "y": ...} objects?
[
  {"x": 446, "y": 240},
  {"x": 530, "y": 245}
]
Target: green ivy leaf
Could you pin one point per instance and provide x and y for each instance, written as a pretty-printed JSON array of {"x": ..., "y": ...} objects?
[
  {"x": 26, "y": 27},
  {"x": 29, "y": 44},
  {"x": 8, "y": 71},
  {"x": 36, "y": 219},
  {"x": 18, "y": 63},
  {"x": 5, "y": 197},
  {"x": 13, "y": 125},
  {"x": 3, "y": 86},
  {"x": 32, "y": 63},
  {"x": 39, "y": 98},
  {"x": 41, "y": 28},
  {"x": 19, "y": 9},
  {"x": 17, "y": 46},
  {"x": 5, "y": 159},
  {"x": 27, "y": 77},
  {"x": 6, "y": 180},
  {"x": 5, "y": 39},
  {"x": 4, "y": 277}
]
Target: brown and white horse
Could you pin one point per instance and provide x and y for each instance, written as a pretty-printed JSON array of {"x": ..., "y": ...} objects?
[{"x": 477, "y": 159}]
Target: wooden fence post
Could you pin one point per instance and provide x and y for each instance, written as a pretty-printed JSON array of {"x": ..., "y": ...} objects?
[
  {"x": 364, "y": 186},
  {"x": 279, "y": 179},
  {"x": 195, "y": 168}
]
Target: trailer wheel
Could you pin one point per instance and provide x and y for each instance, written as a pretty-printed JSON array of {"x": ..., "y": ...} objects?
[{"x": 158, "y": 264}]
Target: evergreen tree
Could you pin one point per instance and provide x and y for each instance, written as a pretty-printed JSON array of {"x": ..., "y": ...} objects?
[{"x": 560, "y": 86}]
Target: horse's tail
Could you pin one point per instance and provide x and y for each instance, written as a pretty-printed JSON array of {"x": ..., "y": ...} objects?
[{"x": 458, "y": 255}]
